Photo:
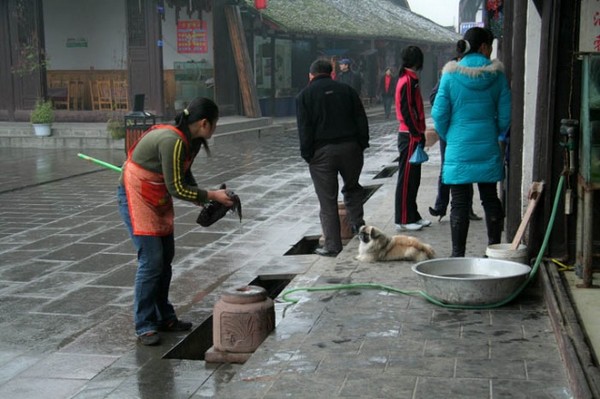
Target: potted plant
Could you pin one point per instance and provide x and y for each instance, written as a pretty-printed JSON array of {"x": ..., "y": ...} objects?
[
  {"x": 42, "y": 117},
  {"x": 115, "y": 125}
]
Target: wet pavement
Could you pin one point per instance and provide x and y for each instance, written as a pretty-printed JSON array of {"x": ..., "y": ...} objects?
[{"x": 67, "y": 270}]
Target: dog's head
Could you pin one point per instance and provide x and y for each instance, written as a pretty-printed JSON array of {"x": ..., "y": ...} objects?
[{"x": 366, "y": 234}]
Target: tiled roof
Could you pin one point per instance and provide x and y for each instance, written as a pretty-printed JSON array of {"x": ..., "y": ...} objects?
[{"x": 375, "y": 19}]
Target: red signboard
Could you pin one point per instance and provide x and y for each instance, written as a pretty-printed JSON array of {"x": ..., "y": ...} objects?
[
  {"x": 192, "y": 36},
  {"x": 260, "y": 4}
]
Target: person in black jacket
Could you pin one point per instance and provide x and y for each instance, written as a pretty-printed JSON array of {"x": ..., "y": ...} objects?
[
  {"x": 334, "y": 131},
  {"x": 348, "y": 76}
]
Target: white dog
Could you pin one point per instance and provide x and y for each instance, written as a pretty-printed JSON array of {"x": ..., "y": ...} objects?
[{"x": 376, "y": 246}]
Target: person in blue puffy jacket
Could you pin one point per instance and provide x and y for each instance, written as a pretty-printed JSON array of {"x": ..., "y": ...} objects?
[{"x": 471, "y": 111}]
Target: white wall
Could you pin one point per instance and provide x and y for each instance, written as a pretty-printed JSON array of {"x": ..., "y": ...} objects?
[
  {"x": 532, "y": 58},
  {"x": 100, "y": 23}
]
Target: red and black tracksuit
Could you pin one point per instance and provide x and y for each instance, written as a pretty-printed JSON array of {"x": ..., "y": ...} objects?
[{"x": 410, "y": 114}]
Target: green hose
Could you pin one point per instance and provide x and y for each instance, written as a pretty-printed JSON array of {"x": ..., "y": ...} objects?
[{"x": 382, "y": 287}]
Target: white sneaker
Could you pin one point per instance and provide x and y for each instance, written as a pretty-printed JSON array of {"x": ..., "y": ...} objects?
[
  {"x": 410, "y": 226},
  {"x": 424, "y": 222}
]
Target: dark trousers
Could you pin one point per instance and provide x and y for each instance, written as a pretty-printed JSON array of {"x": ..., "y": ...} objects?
[
  {"x": 345, "y": 159},
  {"x": 462, "y": 201},
  {"x": 409, "y": 180},
  {"x": 443, "y": 195},
  {"x": 387, "y": 105}
]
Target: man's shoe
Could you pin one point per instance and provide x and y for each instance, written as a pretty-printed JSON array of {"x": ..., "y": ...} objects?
[
  {"x": 424, "y": 222},
  {"x": 409, "y": 226},
  {"x": 474, "y": 216},
  {"x": 356, "y": 227},
  {"x": 176, "y": 325},
  {"x": 326, "y": 252},
  {"x": 149, "y": 339}
]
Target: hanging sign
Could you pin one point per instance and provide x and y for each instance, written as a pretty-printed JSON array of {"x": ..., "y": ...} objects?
[
  {"x": 192, "y": 36},
  {"x": 589, "y": 27}
]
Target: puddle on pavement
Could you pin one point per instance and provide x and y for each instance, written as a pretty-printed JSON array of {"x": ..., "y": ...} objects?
[
  {"x": 388, "y": 171},
  {"x": 196, "y": 343}
]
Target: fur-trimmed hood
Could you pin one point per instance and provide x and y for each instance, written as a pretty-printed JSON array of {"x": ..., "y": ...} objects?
[{"x": 475, "y": 70}]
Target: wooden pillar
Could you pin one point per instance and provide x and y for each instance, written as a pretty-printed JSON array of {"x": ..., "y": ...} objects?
[
  {"x": 242, "y": 61},
  {"x": 517, "y": 82}
]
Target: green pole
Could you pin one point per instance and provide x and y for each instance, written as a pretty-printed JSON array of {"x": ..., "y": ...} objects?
[{"x": 99, "y": 162}]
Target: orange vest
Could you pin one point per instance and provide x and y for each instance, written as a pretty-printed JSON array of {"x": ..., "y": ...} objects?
[{"x": 149, "y": 201}]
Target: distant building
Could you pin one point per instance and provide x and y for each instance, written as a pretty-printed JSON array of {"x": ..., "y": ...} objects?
[{"x": 91, "y": 58}]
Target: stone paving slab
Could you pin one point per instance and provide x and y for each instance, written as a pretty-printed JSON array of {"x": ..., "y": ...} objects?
[{"x": 66, "y": 270}]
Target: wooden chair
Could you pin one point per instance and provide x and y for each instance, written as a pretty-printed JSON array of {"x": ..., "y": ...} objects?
[
  {"x": 76, "y": 94},
  {"x": 101, "y": 94},
  {"x": 58, "y": 93},
  {"x": 120, "y": 95}
]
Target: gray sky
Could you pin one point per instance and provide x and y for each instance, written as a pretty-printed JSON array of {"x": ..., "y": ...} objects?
[{"x": 442, "y": 12}]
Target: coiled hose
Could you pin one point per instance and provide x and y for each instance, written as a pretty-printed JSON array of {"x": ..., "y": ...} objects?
[{"x": 285, "y": 297}]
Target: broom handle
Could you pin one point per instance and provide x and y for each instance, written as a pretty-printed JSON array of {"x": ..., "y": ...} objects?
[{"x": 99, "y": 162}]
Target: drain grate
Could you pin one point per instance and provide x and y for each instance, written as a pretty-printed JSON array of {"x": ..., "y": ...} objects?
[
  {"x": 388, "y": 171},
  {"x": 196, "y": 343}
]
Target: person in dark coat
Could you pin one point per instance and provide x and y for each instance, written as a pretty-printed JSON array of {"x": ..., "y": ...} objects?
[
  {"x": 334, "y": 131},
  {"x": 387, "y": 91},
  {"x": 348, "y": 76}
]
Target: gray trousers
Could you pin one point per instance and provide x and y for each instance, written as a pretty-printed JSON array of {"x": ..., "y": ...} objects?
[{"x": 329, "y": 160}]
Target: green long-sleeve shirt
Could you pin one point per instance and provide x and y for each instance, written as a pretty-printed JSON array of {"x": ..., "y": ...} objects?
[{"x": 164, "y": 151}]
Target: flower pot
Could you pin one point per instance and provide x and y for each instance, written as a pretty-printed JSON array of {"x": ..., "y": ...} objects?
[{"x": 42, "y": 129}]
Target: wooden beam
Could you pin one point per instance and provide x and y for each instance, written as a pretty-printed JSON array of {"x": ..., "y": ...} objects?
[{"x": 242, "y": 61}]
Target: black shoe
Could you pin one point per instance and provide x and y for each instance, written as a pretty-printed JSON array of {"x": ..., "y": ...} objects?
[
  {"x": 176, "y": 325},
  {"x": 149, "y": 339},
  {"x": 473, "y": 215},
  {"x": 325, "y": 252},
  {"x": 435, "y": 212},
  {"x": 356, "y": 227}
]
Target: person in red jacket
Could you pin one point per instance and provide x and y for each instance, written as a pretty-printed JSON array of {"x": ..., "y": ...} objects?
[
  {"x": 411, "y": 133},
  {"x": 387, "y": 91}
]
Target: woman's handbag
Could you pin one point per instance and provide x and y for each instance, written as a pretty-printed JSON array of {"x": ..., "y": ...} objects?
[
  {"x": 214, "y": 210},
  {"x": 419, "y": 156}
]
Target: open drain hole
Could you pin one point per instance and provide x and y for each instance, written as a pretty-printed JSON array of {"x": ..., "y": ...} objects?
[
  {"x": 388, "y": 171},
  {"x": 196, "y": 343},
  {"x": 305, "y": 246},
  {"x": 369, "y": 191},
  {"x": 308, "y": 244}
]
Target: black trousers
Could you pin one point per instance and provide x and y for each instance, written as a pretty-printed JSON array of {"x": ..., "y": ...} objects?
[
  {"x": 462, "y": 201},
  {"x": 345, "y": 159},
  {"x": 409, "y": 180}
]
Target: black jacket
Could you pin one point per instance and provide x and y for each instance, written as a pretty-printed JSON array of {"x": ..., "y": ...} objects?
[
  {"x": 350, "y": 78},
  {"x": 329, "y": 112}
]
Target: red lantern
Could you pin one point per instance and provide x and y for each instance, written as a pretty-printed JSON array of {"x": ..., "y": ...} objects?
[{"x": 260, "y": 4}]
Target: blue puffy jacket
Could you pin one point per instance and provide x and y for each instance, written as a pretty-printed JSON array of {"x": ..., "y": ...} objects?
[{"x": 471, "y": 111}]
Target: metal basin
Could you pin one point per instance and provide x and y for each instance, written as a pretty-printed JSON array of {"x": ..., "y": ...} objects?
[{"x": 471, "y": 281}]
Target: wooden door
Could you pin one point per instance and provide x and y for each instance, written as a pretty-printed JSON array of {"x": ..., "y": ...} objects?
[
  {"x": 22, "y": 71},
  {"x": 144, "y": 54}
]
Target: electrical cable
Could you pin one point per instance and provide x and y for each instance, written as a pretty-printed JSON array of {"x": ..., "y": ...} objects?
[{"x": 435, "y": 301}]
